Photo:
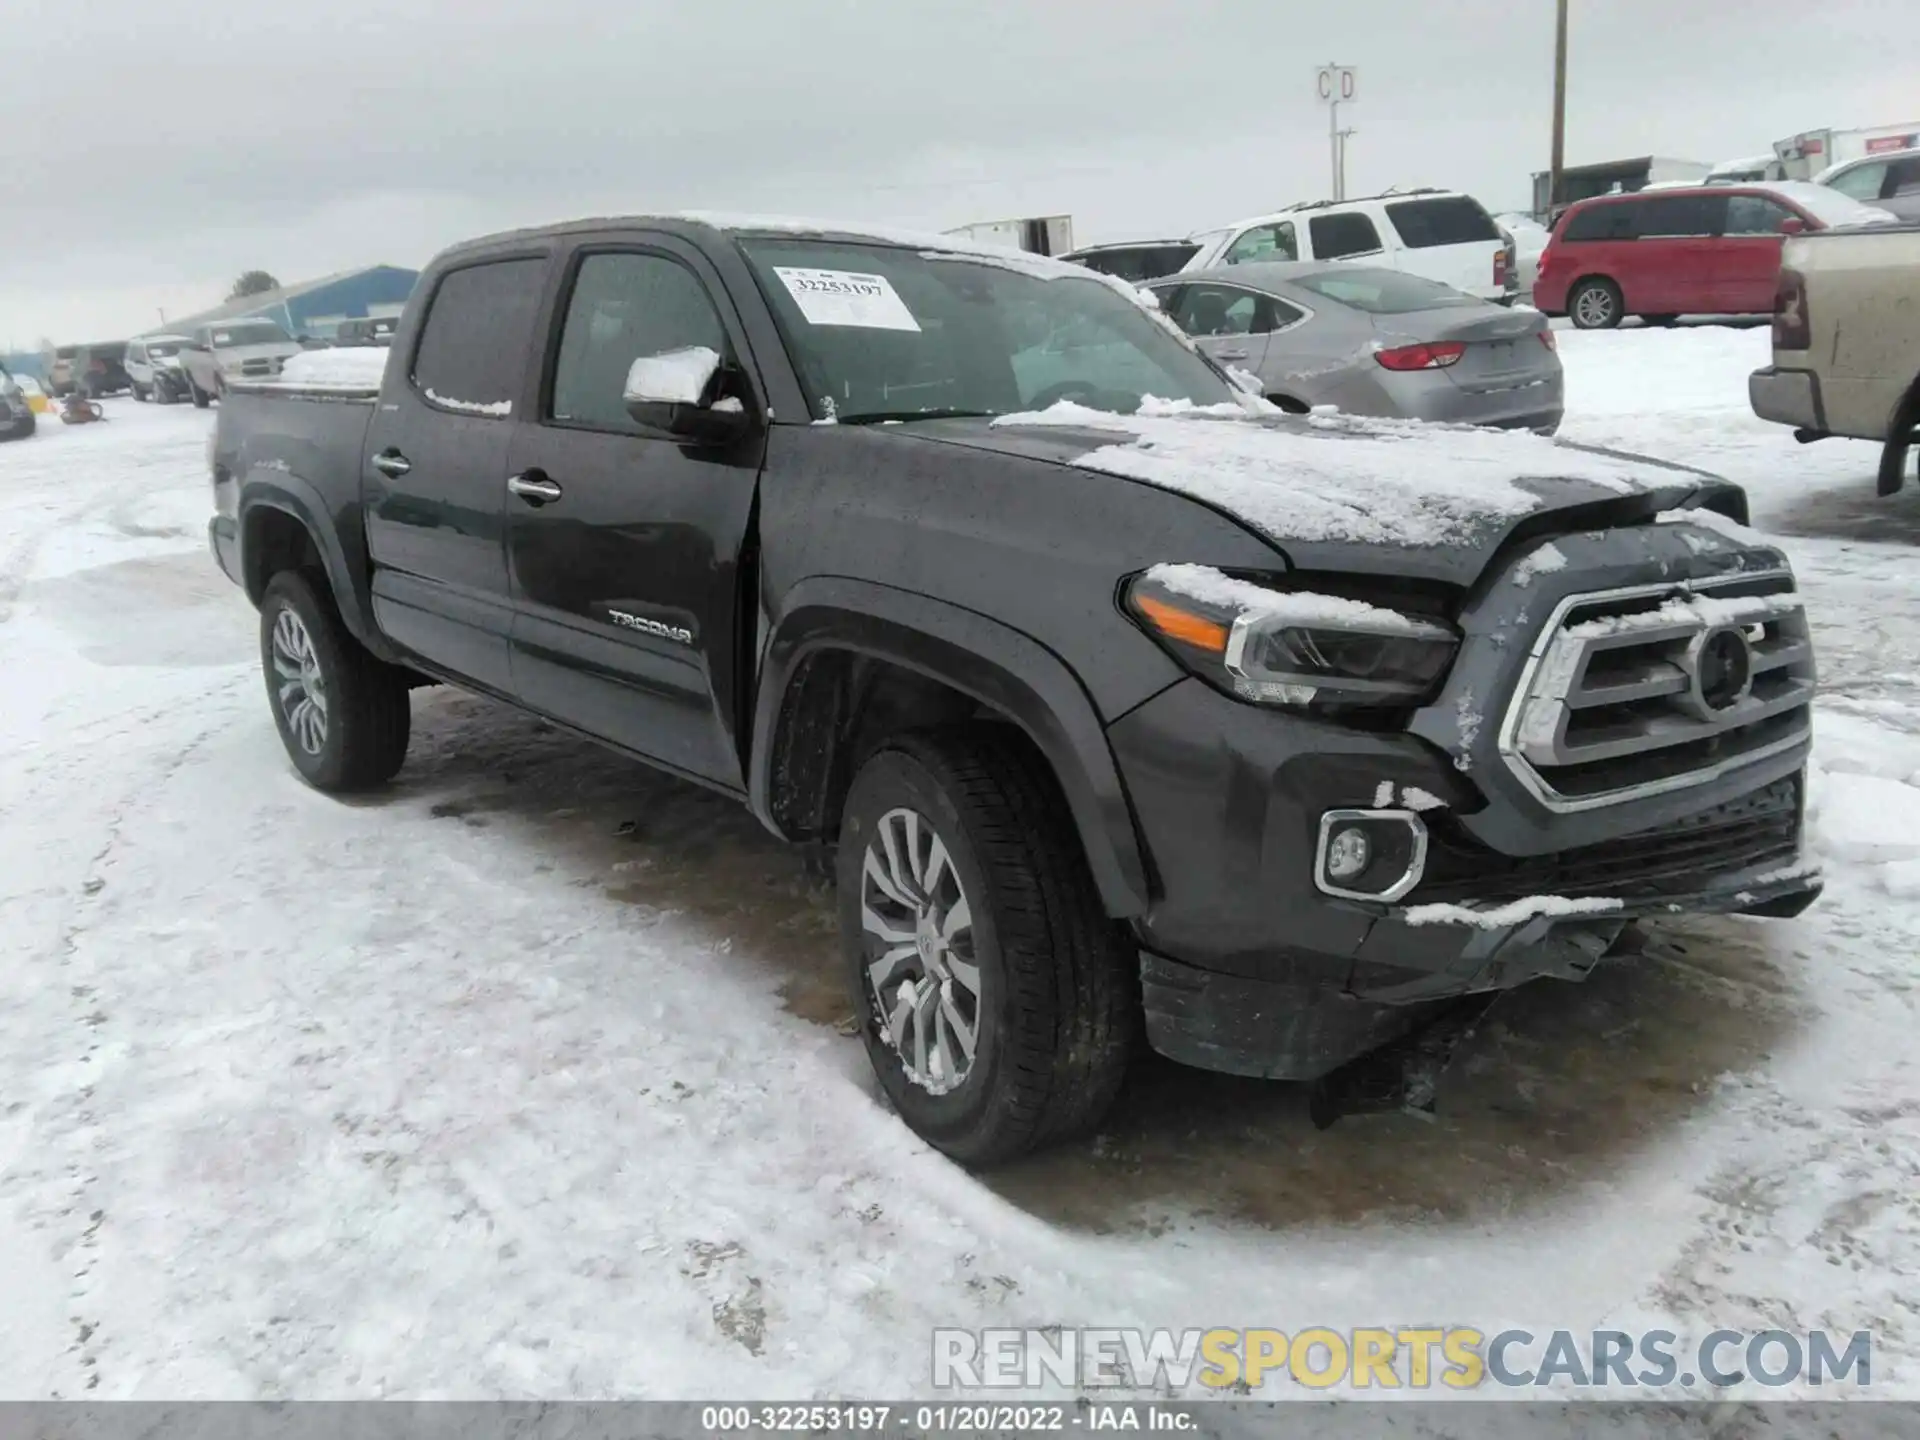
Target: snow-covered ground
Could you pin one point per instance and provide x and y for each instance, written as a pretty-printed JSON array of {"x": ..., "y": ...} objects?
[{"x": 525, "y": 1077}]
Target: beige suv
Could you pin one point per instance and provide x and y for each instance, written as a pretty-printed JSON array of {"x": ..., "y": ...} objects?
[{"x": 1846, "y": 342}]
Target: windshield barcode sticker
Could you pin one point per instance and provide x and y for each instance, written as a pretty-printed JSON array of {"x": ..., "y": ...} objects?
[{"x": 842, "y": 297}]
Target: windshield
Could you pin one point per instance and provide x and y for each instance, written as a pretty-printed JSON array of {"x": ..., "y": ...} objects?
[
  {"x": 1383, "y": 292},
  {"x": 253, "y": 332},
  {"x": 878, "y": 332}
]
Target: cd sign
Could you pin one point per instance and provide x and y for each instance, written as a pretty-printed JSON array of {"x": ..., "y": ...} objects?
[{"x": 1337, "y": 83}]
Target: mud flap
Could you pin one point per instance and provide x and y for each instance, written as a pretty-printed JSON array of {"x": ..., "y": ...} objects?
[{"x": 1402, "y": 1075}]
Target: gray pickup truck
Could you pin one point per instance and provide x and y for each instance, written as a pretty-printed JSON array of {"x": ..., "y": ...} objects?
[{"x": 1128, "y": 705}]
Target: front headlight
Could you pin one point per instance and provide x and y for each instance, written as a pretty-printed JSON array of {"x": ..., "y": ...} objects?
[{"x": 1291, "y": 647}]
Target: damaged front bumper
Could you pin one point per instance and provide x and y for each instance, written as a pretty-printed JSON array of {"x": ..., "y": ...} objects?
[
  {"x": 1284, "y": 1029},
  {"x": 1247, "y": 967}
]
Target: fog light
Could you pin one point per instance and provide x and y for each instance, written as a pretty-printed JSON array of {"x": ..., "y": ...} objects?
[
  {"x": 1348, "y": 853},
  {"x": 1370, "y": 854}
]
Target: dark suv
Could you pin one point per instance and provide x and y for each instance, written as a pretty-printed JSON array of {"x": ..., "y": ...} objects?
[{"x": 1126, "y": 701}]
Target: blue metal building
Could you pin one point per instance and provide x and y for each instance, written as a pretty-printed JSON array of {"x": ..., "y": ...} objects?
[{"x": 316, "y": 307}]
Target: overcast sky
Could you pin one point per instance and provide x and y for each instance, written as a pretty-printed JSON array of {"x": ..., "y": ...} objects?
[{"x": 155, "y": 150}]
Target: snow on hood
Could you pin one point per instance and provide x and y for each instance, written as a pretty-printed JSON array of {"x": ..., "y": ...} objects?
[{"x": 1343, "y": 478}]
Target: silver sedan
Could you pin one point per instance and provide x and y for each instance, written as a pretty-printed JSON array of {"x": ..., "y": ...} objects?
[{"x": 1372, "y": 342}]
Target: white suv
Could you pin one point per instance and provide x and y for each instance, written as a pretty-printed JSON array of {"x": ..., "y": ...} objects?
[{"x": 1440, "y": 234}]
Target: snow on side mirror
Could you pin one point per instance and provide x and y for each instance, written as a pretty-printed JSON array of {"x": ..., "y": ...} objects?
[
  {"x": 677, "y": 393},
  {"x": 673, "y": 377}
]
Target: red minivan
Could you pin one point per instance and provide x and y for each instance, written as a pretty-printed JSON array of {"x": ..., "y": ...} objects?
[{"x": 1698, "y": 250}]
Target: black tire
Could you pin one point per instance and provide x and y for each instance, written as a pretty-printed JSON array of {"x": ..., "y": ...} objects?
[
  {"x": 367, "y": 716},
  {"x": 1901, "y": 435},
  {"x": 1058, "y": 1008},
  {"x": 1595, "y": 304},
  {"x": 201, "y": 400}
]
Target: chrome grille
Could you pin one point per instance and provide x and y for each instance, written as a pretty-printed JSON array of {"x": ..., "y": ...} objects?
[{"x": 1632, "y": 692}]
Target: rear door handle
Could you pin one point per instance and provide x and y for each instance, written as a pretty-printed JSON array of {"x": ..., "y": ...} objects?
[
  {"x": 1229, "y": 354},
  {"x": 392, "y": 463},
  {"x": 534, "y": 488}
]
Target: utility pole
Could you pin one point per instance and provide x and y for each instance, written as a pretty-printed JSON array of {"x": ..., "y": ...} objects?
[{"x": 1559, "y": 162}]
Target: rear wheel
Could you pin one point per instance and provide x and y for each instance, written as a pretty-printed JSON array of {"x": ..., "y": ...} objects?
[
  {"x": 342, "y": 712},
  {"x": 997, "y": 1000},
  {"x": 1595, "y": 305},
  {"x": 1901, "y": 438}
]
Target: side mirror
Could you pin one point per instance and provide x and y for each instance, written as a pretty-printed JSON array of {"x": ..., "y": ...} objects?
[
  {"x": 677, "y": 392},
  {"x": 1793, "y": 225}
]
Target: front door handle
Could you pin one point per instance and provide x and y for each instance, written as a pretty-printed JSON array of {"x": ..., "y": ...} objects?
[
  {"x": 392, "y": 463},
  {"x": 534, "y": 488}
]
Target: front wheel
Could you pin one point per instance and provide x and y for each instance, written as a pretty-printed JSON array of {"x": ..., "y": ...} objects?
[
  {"x": 1595, "y": 305},
  {"x": 997, "y": 1000},
  {"x": 342, "y": 712}
]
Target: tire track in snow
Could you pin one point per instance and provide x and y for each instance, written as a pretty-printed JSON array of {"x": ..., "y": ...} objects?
[{"x": 93, "y": 1024}]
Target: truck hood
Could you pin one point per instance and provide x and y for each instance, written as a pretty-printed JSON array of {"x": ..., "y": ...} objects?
[{"x": 1342, "y": 493}]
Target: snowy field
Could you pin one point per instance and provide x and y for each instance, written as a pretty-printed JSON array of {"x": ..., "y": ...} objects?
[{"x": 526, "y": 1077}]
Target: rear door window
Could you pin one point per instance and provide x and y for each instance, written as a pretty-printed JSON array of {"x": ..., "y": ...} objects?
[
  {"x": 1614, "y": 220},
  {"x": 1335, "y": 236},
  {"x": 472, "y": 354},
  {"x": 1903, "y": 179},
  {"x": 1451, "y": 220},
  {"x": 1673, "y": 216}
]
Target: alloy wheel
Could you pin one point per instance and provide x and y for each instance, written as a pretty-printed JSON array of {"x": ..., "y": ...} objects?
[
  {"x": 922, "y": 977},
  {"x": 1594, "y": 307},
  {"x": 298, "y": 682}
]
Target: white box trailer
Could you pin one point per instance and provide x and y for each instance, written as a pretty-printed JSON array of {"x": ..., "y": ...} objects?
[
  {"x": 1805, "y": 155},
  {"x": 1042, "y": 235}
]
